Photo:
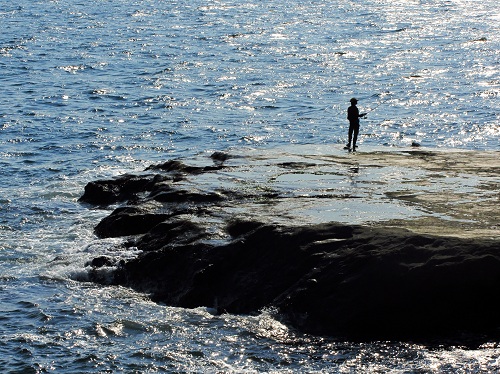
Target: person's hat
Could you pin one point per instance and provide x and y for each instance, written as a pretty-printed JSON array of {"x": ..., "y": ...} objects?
[{"x": 354, "y": 100}]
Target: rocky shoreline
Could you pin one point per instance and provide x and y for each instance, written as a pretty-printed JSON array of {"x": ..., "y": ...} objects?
[{"x": 221, "y": 233}]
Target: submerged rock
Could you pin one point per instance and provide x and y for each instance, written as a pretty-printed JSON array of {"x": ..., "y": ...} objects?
[{"x": 215, "y": 242}]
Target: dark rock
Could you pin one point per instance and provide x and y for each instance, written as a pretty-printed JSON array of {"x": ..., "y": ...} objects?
[
  {"x": 239, "y": 228},
  {"x": 346, "y": 281},
  {"x": 296, "y": 165},
  {"x": 101, "y": 261},
  {"x": 179, "y": 196},
  {"x": 105, "y": 192},
  {"x": 174, "y": 232},
  {"x": 220, "y": 157},
  {"x": 180, "y": 167},
  {"x": 128, "y": 221}
]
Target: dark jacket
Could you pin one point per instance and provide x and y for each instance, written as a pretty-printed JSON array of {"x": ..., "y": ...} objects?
[{"x": 353, "y": 115}]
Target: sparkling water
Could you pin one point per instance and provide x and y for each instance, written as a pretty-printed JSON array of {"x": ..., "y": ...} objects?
[{"x": 98, "y": 88}]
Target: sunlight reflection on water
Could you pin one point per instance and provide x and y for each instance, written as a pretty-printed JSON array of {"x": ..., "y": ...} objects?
[{"x": 96, "y": 89}]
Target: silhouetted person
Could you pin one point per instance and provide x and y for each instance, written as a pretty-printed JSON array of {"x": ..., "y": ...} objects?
[{"x": 353, "y": 116}]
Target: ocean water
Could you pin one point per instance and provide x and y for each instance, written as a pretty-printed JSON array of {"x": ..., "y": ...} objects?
[{"x": 98, "y": 88}]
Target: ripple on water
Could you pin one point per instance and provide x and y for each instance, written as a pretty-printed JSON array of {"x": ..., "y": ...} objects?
[{"x": 96, "y": 89}]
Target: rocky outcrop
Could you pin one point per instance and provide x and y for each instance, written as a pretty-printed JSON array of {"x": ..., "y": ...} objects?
[{"x": 202, "y": 244}]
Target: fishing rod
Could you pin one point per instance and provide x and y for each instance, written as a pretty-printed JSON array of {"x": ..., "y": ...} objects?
[{"x": 376, "y": 106}]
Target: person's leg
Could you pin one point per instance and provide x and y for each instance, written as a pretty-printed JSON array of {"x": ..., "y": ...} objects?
[
  {"x": 355, "y": 136},
  {"x": 351, "y": 129}
]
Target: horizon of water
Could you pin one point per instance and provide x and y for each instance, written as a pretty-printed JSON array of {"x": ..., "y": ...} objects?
[{"x": 95, "y": 89}]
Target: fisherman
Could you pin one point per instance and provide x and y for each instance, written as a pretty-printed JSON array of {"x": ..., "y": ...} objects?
[{"x": 353, "y": 116}]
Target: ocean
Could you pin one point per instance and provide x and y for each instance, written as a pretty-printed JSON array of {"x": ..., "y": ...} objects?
[{"x": 96, "y": 89}]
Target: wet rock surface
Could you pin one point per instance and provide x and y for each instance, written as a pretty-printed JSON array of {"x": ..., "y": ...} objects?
[{"x": 229, "y": 235}]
